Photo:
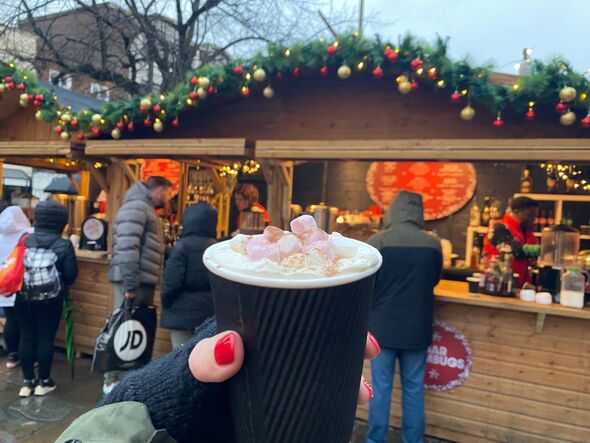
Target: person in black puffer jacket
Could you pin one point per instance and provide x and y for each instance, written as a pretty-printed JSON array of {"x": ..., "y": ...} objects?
[
  {"x": 39, "y": 320},
  {"x": 186, "y": 293}
]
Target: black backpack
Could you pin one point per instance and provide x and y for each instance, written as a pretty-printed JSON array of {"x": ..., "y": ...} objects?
[{"x": 41, "y": 278}]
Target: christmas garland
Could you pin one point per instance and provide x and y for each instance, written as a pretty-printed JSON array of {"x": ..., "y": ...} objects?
[{"x": 412, "y": 63}]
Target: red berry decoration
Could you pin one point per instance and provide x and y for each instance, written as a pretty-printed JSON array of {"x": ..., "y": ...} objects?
[
  {"x": 332, "y": 49},
  {"x": 245, "y": 91},
  {"x": 414, "y": 85},
  {"x": 279, "y": 75},
  {"x": 238, "y": 70},
  {"x": 378, "y": 72},
  {"x": 11, "y": 85},
  {"x": 95, "y": 131},
  {"x": 120, "y": 126},
  {"x": 7, "y": 79},
  {"x": 193, "y": 95},
  {"x": 36, "y": 103},
  {"x": 147, "y": 122},
  {"x": 561, "y": 107},
  {"x": 74, "y": 122},
  {"x": 30, "y": 97},
  {"x": 81, "y": 137},
  {"x": 194, "y": 81},
  {"x": 498, "y": 123},
  {"x": 585, "y": 122},
  {"x": 210, "y": 90},
  {"x": 416, "y": 64},
  {"x": 390, "y": 55},
  {"x": 21, "y": 87},
  {"x": 176, "y": 122},
  {"x": 456, "y": 96},
  {"x": 58, "y": 130},
  {"x": 530, "y": 115},
  {"x": 131, "y": 127},
  {"x": 157, "y": 109},
  {"x": 296, "y": 71},
  {"x": 431, "y": 75},
  {"x": 324, "y": 70},
  {"x": 39, "y": 97}
]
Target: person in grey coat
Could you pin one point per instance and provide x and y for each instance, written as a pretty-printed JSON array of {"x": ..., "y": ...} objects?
[{"x": 138, "y": 249}]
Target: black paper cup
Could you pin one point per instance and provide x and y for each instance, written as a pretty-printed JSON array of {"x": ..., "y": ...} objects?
[{"x": 304, "y": 350}]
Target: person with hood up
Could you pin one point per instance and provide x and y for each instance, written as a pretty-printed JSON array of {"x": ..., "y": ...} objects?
[
  {"x": 13, "y": 225},
  {"x": 138, "y": 249},
  {"x": 401, "y": 315},
  {"x": 186, "y": 292},
  {"x": 39, "y": 319}
]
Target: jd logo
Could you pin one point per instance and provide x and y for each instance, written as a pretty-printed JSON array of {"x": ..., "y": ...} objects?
[{"x": 130, "y": 340}]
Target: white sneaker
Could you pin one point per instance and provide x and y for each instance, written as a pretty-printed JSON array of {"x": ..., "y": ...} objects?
[
  {"x": 27, "y": 389},
  {"x": 45, "y": 387},
  {"x": 108, "y": 387}
]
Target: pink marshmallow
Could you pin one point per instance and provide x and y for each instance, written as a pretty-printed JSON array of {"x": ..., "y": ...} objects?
[
  {"x": 272, "y": 234},
  {"x": 289, "y": 244},
  {"x": 315, "y": 235},
  {"x": 257, "y": 249},
  {"x": 302, "y": 224},
  {"x": 323, "y": 246}
]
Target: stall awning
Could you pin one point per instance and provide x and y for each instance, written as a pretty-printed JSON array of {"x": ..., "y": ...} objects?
[
  {"x": 172, "y": 148},
  {"x": 541, "y": 149},
  {"x": 34, "y": 148}
]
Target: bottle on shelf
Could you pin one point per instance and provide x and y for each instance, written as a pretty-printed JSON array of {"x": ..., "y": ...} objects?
[
  {"x": 496, "y": 209},
  {"x": 474, "y": 214},
  {"x": 485, "y": 211},
  {"x": 526, "y": 181},
  {"x": 550, "y": 219}
]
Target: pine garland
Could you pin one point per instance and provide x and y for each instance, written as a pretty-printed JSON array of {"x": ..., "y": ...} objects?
[{"x": 425, "y": 64}]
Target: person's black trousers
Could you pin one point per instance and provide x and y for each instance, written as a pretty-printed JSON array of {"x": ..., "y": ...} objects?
[
  {"x": 11, "y": 330},
  {"x": 38, "y": 322}
]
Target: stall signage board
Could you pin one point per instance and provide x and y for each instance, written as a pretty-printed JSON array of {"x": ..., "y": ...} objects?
[
  {"x": 169, "y": 169},
  {"x": 448, "y": 363},
  {"x": 446, "y": 187}
]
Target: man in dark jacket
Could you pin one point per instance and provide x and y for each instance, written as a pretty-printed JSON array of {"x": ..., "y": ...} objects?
[
  {"x": 401, "y": 315},
  {"x": 186, "y": 292},
  {"x": 138, "y": 248},
  {"x": 39, "y": 320}
]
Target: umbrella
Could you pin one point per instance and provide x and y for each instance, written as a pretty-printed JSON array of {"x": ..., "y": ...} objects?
[{"x": 69, "y": 332}]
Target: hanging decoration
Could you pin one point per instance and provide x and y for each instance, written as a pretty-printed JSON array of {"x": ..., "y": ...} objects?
[
  {"x": 344, "y": 72},
  {"x": 467, "y": 113}
]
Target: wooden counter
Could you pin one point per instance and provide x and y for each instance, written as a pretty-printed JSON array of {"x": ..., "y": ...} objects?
[{"x": 525, "y": 386}]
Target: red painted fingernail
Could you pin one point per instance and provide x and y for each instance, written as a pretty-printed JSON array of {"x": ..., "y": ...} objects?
[
  {"x": 374, "y": 342},
  {"x": 369, "y": 388},
  {"x": 225, "y": 350}
]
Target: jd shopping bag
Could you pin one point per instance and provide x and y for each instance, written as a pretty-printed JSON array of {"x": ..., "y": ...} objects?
[{"x": 127, "y": 340}]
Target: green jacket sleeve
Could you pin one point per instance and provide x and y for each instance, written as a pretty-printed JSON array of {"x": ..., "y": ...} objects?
[{"x": 126, "y": 422}]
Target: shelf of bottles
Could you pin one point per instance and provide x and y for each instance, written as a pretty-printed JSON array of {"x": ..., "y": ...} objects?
[{"x": 200, "y": 187}]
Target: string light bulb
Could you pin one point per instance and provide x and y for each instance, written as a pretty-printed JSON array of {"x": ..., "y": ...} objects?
[{"x": 440, "y": 83}]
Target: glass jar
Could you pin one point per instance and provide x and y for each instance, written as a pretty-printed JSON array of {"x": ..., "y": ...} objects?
[{"x": 573, "y": 284}]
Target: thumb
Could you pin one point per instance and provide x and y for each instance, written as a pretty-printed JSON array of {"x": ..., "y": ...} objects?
[{"x": 218, "y": 358}]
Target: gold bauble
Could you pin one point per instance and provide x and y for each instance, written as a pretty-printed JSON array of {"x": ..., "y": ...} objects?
[
  {"x": 204, "y": 82},
  {"x": 467, "y": 113},
  {"x": 23, "y": 103},
  {"x": 96, "y": 118},
  {"x": 344, "y": 72},
  {"x": 202, "y": 93},
  {"x": 568, "y": 119},
  {"x": 158, "y": 126},
  {"x": 259, "y": 75},
  {"x": 65, "y": 135},
  {"x": 66, "y": 117},
  {"x": 24, "y": 97},
  {"x": 268, "y": 92},
  {"x": 116, "y": 133},
  {"x": 3, "y": 88},
  {"x": 567, "y": 94},
  {"x": 401, "y": 79},
  {"x": 39, "y": 115},
  {"x": 145, "y": 104},
  {"x": 405, "y": 87}
]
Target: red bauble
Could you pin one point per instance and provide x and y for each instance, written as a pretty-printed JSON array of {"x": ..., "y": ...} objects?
[
  {"x": 585, "y": 122},
  {"x": 561, "y": 107},
  {"x": 391, "y": 56},
  {"x": 39, "y": 97},
  {"x": 414, "y": 85},
  {"x": 332, "y": 49},
  {"x": 74, "y": 122},
  {"x": 157, "y": 109},
  {"x": 432, "y": 75},
  {"x": 131, "y": 127},
  {"x": 21, "y": 87},
  {"x": 11, "y": 85},
  {"x": 456, "y": 96},
  {"x": 81, "y": 137},
  {"x": 7, "y": 79},
  {"x": 210, "y": 90},
  {"x": 416, "y": 64},
  {"x": 176, "y": 122},
  {"x": 296, "y": 71},
  {"x": 498, "y": 122},
  {"x": 324, "y": 70},
  {"x": 120, "y": 126},
  {"x": 238, "y": 70},
  {"x": 59, "y": 129},
  {"x": 36, "y": 103},
  {"x": 378, "y": 72},
  {"x": 193, "y": 95},
  {"x": 194, "y": 81},
  {"x": 530, "y": 115},
  {"x": 279, "y": 75},
  {"x": 147, "y": 122},
  {"x": 30, "y": 96},
  {"x": 245, "y": 91},
  {"x": 95, "y": 131}
]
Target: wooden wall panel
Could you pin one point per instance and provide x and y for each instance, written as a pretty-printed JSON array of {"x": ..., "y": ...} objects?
[{"x": 523, "y": 387}]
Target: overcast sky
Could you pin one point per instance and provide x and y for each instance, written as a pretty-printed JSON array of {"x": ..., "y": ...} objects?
[{"x": 490, "y": 29}]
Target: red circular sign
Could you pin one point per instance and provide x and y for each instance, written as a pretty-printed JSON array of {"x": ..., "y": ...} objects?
[
  {"x": 445, "y": 186},
  {"x": 449, "y": 359},
  {"x": 169, "y": 169}
]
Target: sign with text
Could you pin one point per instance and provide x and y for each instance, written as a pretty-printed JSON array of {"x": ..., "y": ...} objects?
[
  {"x": 449, "y": 359},
  {"x": 446, "y": 187},
  {"x": 169, "y": 169}
]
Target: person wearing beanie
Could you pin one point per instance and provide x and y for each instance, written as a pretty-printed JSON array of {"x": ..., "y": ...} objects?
[{"x": 39, "y": 319}]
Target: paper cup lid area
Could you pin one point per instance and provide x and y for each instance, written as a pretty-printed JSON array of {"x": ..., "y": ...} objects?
[{"x": 256, "y": 275}]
